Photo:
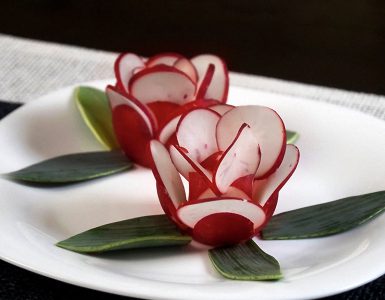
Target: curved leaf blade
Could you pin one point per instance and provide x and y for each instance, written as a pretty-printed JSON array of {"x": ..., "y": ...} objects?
[
  {"x": 142, "y": 232},
  {"x": 291, "y": 137},
  {"x": 245, "y": 262},
  {"x": 325, "y": 219},
  {"x": 95, "y": 110},
  {"x": 73, "y": 168}
]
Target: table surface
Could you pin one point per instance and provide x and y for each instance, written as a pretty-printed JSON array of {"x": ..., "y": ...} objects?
[{"x": 331, "y": 43}]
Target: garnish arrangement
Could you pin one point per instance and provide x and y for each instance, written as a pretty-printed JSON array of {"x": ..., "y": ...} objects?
[{"x": 169, "y": 113}]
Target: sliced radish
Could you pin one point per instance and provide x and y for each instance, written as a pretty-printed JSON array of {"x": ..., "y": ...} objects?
[
  {"x": 168, "y": 130},
  {"x": 193, "y": 211},
  {"x": 162, "y": 83},
  {"x": 221, "y": 108},
  {"x": 219, "y": 86},
  {"x": 264, "y": 189},
  {"x": 267, "y": 127},
  {"x": 241, "y": 159},
  {"x": 223, "y": 229},
  {"x": 163, "y": 59},
  {"x": 196, "y": 132},
  {"x": 185, "y": 65},
  {"x": 270, "y": 207},
  {"x": 166, "y": 174},
  {"x": 207, "y": 194},
  {"x": 211, "y": 162},
  {"x": 124, "y": 68},
  {"x": 205, "y": 83},
  {"x": 116, "y": 99},
  {"x": 233, "y": 192},
  {"x": 185, "y": 164}
]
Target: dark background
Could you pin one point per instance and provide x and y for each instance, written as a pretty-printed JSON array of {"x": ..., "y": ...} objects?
[
  {"x": 326, "y": 42},
  {"x": 334, "y": 43}
]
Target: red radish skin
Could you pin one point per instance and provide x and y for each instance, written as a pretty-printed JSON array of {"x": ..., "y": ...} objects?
[
  {"x": 205, "y": 83},
  {"x": 162, "y": 83},
  {"x": 211, "y": 162},
  {"x": 124, "y": 68},
  {"x": 223, "y": 229},
  {"x": 267, "y": 127},
  {"x": 129, "y": 126},
  {"x": 240, "y": 160},
  {"x": 184, "y": 65},
  {"x": 264, "y": 189},
  {"x": 219, "y": 86},
  {"x": 167, "y": 58},
  {"x": 117, "y": 98},
  {"x": 198, "y": 185},
  {"x": 161, "y": 110},
  {"x": 196, "y": 131}
]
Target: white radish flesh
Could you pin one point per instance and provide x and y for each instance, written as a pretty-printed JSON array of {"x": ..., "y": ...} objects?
[
  {"x": 184, "y": 65},
  {"x": 196, "y": 132},
  {"x": 267, "y": 127},
  {"x": 125, "y": 65},
  {"x": 263, "y": 189},
  {"x": 162, "y": 83},
  {"x": 191, "y": 213}
]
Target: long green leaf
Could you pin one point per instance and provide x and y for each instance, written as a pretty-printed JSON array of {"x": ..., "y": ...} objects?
[
  {"x": 142, "y": 232},
  {"x": 325, "y": 219},
  {"x": 94, "y": 108},
  {"x": 245, "y": 262},
  {"x": 291, "y": 137},
  {"x": 73, "y": 168}
]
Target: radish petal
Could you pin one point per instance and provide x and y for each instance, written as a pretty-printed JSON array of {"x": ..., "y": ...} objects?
[
  {"x": 264, "y": 189},
  {"x": 184, "y": 65},
  {"x": 223, "y": 229},
  {"x": 116, "y": 99},
  {"x": 199, "y": 187},
  {"x": 161, "y": 110},
  {"x": 193, "y": 211},
  {"x": 163, "y": 59},
  {"x": 162, "y": 83},
  {"x": 197, "y": 133},
  {"x": 240, "y": 159},
  {"x": 233, "y": 192},
  {"x": 185, "y": 164},
  {"x": 168, "y": 130},
  {"x": 166, "y": 174},
  {"x": 205, "y": 83},
  {"x": 221, "y": 108},
  {"x": 124, "y": 68},
  {"x": 219, "y": 85},
  {"x": 267, "y": 127}
]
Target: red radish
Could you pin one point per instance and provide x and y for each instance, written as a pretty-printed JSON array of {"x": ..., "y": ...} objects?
[
  {"x": 219, "y": 86},
  {"x": 168, "y": 59},
  {"x": 205, "y": 83},
  {"x": 162, "y": 110},
  {"x": 199, "y": 186},
  {"x": 211, "y": 162},
  {"x": 233, "y": 192},
  {"x": 221, "y": 108},
  {"x": 270, "y": 207},
  {"x": 223, "y": 229},
  {"x": 162, "y": 83},
  {"x": 184, "y": 65},
  {"x": 264, "y": 189},
  {"x": 207, "y": 194},
  {"x": 185, "y": 164},
  {"x": 241, "y": 159},
  {"x": 193, "y": 211},
  {"x": 116, "y": 98},
  {"x": 166, "y": 174},
  {"x": 267, "y": 127},
  {"x": 124, "y": 68},
  {"x": 196, "y": 132}
]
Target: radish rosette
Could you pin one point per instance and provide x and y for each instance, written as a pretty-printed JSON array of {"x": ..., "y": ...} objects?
[
  {"x": 150, "y": 95},
  {"x": 235, "y": 160}
]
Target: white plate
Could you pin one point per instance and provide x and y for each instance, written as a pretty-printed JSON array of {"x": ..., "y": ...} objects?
[{"x": 341, "y": 154}]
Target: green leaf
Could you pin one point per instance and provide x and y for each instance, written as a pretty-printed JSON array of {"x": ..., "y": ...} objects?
[
  {"x": 325, "y": 219},
  {"x": 94, "y": 108},
  {"x": 142, "y": 232},
  {"x": 245, "y": 262},
  {"x": 73, "y": 168},
  {"x": 291, "y": 137}
]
